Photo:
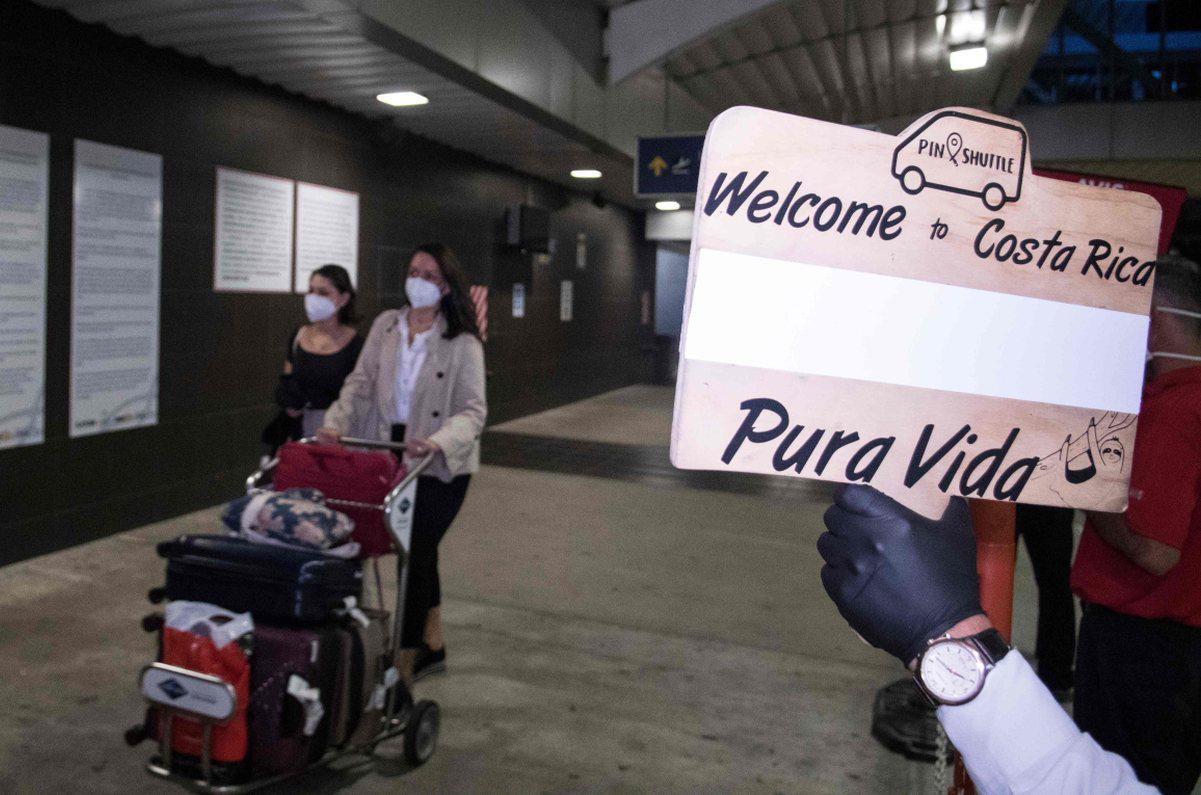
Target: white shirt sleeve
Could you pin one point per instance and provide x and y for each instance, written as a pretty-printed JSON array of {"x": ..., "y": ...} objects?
[{"x": 1015, "y": 738}]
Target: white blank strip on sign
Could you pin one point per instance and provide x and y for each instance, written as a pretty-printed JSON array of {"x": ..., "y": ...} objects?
[{"x": 800, "y": 318}]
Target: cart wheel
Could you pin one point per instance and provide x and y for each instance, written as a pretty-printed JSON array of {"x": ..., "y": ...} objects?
[
  {"x": 136, "y": 734},
  {"x": 152, "y": 623},
  {"x": 156, "y": 595},
  {"x": 421, "y": 735}
]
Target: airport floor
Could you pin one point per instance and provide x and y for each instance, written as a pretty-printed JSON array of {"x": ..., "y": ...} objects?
[{"x": 612, "y": 625}]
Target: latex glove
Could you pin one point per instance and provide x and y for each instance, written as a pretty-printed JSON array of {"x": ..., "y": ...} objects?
[{"x": 898, "y": 578}]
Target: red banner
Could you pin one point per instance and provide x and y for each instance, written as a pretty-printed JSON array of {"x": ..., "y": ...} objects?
[{"x": 1169, "y": 197}]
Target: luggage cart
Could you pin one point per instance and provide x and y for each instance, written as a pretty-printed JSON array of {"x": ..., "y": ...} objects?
[{"x": 212, "y": 702}]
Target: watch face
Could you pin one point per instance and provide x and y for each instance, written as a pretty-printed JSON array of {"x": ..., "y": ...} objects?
[{"x": 952, "y": 671}]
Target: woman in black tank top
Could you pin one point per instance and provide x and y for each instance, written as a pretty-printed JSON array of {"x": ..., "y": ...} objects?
[{"x": 321, "y": 354}]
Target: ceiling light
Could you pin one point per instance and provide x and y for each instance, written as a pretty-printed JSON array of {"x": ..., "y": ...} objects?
[
  {"x": 586, "y": 173},
  {"x": 400, "y": 99},
  {"x": 972, "y": 56},
  {"x": 667, "y": 206}
]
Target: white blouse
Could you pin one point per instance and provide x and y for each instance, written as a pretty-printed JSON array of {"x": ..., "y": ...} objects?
[{"x": 411, "y": 357}]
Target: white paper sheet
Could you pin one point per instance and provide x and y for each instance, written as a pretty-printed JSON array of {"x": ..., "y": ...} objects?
[
  {"x": 253, "y": 240},
  {"x": 851, "y": 324},
  {"x": 566, "y": 299},
  {"x": 24, "y": 174},
  {"x": 327, "y": 231},
  {"x": 116, "y": 268},
  {"x": 519, "y": 300}
]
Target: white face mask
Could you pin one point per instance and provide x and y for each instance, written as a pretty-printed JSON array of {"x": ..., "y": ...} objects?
[
  {"x": 1171, "y": 310},
  {"x": 318, "y": 307},
  {"x": 422, "y": 294}
]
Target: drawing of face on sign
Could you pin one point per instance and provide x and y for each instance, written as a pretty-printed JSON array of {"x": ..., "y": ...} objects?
[
  {"x": 1113, "y": 453},
  {"x": 918, "y": 312},
  {"x": 1080, "y": 459}
]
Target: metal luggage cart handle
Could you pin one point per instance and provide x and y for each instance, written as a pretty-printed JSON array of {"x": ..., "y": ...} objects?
[{"x": 204, "y": 698}]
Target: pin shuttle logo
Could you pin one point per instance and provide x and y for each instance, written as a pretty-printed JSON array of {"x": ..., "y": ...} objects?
[{"x": 965, "y": 154}]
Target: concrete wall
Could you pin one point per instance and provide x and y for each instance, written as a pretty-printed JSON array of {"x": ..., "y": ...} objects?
[
  {"x": 1113, "y": 131},
  {"x": 220, "y": 353}
]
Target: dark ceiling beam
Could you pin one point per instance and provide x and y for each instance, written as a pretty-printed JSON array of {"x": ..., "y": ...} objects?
[{"x": 1021, "y": 63}]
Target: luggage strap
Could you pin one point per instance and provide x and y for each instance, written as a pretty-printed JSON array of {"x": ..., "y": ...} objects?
[
  {"x": 309, "y": 698},
  {"x": 351, "y": 608},
  {"x": 380, "y": 693},
  {"x": 354, "y": 504}
]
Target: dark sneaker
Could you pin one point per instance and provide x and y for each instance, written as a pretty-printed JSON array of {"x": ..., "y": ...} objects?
[{"x": 428, "y": 662}]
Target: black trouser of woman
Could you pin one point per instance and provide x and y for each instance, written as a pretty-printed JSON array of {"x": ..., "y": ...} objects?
[
  {"x": 437, "y": 506},
  {"x": 1048, "y": 534}
]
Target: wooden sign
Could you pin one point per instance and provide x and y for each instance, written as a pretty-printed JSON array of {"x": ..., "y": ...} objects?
[{"x": 919, "y": 312}]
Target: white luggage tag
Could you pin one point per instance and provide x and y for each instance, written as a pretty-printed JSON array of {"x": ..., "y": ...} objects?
[
  {"x": 352, "y": 609},
  {"x": 309, "y": 698},
  {"x": 380, "y": 693}
]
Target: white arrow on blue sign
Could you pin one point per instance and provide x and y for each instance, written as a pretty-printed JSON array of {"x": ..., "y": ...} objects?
[{"x": 668, "y": 165}]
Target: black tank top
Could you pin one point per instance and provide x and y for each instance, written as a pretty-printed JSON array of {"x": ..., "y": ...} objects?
[{"x": 319, "y": 376}]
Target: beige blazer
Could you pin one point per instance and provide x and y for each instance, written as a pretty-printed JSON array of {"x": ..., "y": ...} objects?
[{"x": 448, "y": 406}]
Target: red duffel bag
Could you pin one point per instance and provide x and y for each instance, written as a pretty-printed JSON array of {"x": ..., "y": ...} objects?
[{"x": 342, "y": 474}]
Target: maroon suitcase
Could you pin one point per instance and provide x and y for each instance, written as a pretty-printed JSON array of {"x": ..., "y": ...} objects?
[{"x": 278, "y": 739}]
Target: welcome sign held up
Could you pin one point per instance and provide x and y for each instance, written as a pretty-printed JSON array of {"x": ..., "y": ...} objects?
[{"x": 920, "y": 313}]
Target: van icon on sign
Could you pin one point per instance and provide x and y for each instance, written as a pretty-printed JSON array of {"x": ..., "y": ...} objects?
[{"x": 962, "y": 153}]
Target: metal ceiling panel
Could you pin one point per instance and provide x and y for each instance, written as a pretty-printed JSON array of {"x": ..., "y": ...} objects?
[
  {"x": 266, "y": 13},
  {"x": 316, "y": 48},
  {"x": 845, "y": 60},
  {"x": 322, "y": 42},
  {"x": 853, "y": 60}
]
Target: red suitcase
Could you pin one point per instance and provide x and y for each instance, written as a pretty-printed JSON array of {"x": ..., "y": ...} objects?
[{"x": 345, "y": 475}]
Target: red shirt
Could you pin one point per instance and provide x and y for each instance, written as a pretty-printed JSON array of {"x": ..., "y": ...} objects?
[{"x": 1165, "y": 505}]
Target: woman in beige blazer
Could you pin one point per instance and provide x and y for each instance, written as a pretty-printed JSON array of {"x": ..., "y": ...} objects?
[{"x": 420, "y": 380}]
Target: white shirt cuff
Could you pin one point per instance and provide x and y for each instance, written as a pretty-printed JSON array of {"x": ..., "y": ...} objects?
[{"x": 1015, "y": 737}]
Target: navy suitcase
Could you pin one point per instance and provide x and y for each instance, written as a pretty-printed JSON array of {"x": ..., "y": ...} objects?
[{"x": 272, "y": 583}]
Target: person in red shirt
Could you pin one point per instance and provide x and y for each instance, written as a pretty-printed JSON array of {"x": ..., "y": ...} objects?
[{"x": 1138, "y": 573}]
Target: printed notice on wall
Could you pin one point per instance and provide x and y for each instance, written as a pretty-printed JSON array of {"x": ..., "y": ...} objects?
[
  {"x": 566, "y": 299},
  {"x": 327, "y": 231},
  {"x": 937, "y": 321},
  {"x": 253, "y": 242},
  {"x": 24, "y": 158},
  {"x": 519, "y": 300},
  {"x": 581, "y": 251},
  {"x": 116, "y": 270}
]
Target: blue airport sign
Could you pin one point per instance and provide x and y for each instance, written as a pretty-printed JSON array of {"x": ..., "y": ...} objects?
[{"x": 668, "y": 165}]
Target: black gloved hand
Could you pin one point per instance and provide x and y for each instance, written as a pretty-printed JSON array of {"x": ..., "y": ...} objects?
[{"x": 898, "y": 578}]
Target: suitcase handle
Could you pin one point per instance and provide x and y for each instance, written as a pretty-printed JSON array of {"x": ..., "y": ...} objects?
[{"x": 261, "y": 476}]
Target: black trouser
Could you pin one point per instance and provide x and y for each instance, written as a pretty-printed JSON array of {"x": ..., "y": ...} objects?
[
  {"x": 1048, "y": 535},
  {"x": 1138, "y": 693},
  {"x": 437, "y": 506}
]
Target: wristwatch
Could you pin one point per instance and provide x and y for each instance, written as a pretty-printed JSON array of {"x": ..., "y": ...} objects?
[{"x": 951, "y": 671}]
